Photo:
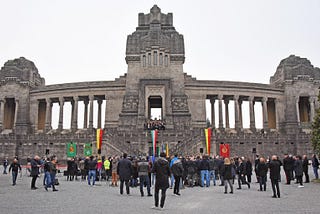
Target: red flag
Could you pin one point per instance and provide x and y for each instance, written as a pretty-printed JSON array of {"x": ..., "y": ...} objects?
[{"x": 224, "y": 150}]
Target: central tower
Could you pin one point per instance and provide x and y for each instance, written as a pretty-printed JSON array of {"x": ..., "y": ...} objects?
[{"x": 155, "y": 78}]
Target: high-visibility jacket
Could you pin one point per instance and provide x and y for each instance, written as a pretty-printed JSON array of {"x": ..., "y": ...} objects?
[{"x": 106, "y": 164}]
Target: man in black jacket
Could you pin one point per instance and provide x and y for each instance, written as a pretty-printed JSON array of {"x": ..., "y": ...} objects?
[
  {"x": 15, "y": 166},
  {"x": 288, "y": 166},
  {"x": 305, "y": 165},
  {"x": 162, "y": 171},
  {"x": 35, "y": 164},
  {"x": 124, "y": 171},
  {"x": 274, "y": 167},
  {"x": 177, "y": 171}
]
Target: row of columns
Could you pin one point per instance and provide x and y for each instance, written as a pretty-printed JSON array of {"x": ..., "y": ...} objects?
[
  {"x": 312, "y": 102},
  {"x": 74, "y": 113},
  {"x": 2, "y": 113},
  {"x": 238, "y": 112}
]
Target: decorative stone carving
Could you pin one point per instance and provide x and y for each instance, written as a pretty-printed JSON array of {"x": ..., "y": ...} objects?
[
  {"x": 179, "y": 103},
  {"x": 130, "y": 103}
]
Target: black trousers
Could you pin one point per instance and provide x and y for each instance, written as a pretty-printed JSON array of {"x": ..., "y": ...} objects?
[
  {"x": 127, "y": 186},
  {"x": 156, "y": 196},
  {"x": 288, "y": 176},
  {"x": 33, "y": 181},
  {"x": 176, "y": 184},
  {"x": 275, "y": 187},
  {"x": 307, "y": 176}
]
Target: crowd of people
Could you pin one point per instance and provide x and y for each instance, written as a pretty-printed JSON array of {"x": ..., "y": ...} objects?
[
  {"x": 155, "y": 125},
  {"x": 175, "y": 172}
]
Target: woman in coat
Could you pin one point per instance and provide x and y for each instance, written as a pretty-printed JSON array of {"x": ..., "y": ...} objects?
[{"x": 226, "y": 173}]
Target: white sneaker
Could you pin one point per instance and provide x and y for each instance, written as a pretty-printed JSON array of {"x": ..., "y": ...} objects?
[
  {"x": 300, "y": 186},
  {"x": 155, "y": 208}
]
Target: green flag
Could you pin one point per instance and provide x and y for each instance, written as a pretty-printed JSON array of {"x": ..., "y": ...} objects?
[
  {"x": 71, "y": 149},
  {"x": 87, "y": 149}
]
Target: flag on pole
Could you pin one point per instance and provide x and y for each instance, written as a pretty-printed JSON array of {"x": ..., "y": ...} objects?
[
  {"x": 225, "y": 150},
  {"x": 154, "y": 135},
  {"x": 87, "y": 151},
  {"x": 71, "y": 149},
  {"x": 99, "y": 140},
  {"x": 167, "y": 150},
  {"x": 208, "y": 139}
]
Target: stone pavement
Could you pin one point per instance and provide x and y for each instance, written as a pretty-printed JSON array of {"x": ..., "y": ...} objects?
[{"x": 78, "y": 197}]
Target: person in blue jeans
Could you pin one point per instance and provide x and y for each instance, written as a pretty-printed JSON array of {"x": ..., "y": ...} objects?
[
  {"x": 204, "y": 171},
  {"x": 15, "y": 167},
  {"x": 211, "y": 171},
  {"x": 92, "y": 167}
]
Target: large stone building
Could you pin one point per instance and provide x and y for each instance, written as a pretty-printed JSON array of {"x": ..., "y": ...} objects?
[{"x": 155, "y": 80}]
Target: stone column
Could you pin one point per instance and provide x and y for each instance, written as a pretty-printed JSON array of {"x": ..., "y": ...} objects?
[
  {"x": 298, "y": 111},
  {"x": 2, "y": 103},
  {"x": 85, "y": 116},
  {"x": 74, "y": 124},
  {"x": 277, "y": 103},
  {"x": 91, "y": 98},
  {"x": 61, "y": 103},
  {"x": 99, "y": 114},
  {"x": 226, "y": 106},
  {"x": 240, "y": 114},
  {"x": 16, "y": 113},
  {"x": 105, "y": 114},
  {"x": 48, "y": 114},
  {"x": 213, "y": 122},
  {"x": 236, "y": 113},
  {"x": 311, "y": 101},
  {"x": 252, "y": 116},
  {"x": 220, "y": 112},
  {"x": 265, "y": 113}
]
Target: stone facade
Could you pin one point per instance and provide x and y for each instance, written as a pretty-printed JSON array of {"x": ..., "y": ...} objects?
[{"x": 155, "y": 79}]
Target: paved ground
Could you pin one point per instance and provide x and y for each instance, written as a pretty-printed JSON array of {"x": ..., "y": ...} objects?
[{"x": 78, "y": 197}]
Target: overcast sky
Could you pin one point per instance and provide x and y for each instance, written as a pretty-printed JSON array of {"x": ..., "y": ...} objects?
[{"x": 81, "y": 40}]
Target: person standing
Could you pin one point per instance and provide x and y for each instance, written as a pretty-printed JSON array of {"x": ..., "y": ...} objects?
[
  {"x": 35, "y": 164},
  {"x": 15, "y": 166},
  {"x": 5, "y": 165},
  {"x": 106, "y": 165},
  {"x": 177, "y": 171},
  {"x": 298, "y": 168},
  {"x": 92, "y": 167},
  {"x": 226, "y": 172},
  {"x": 262, "y": 170},
  {"x": 242, "y": 173},
  {"x": 249, "y": 170},
  {"x": 305, "y": 166},
  {"x": 315, "y": 165},
  {"x": 162, "y": 171},
  {"x": 143, "y": 170},
  {"x": 288, "y": 165},
  {"x": 204, "y": 171},
  {"x": 114, "y": 175},
  {"x": 124, "y": 171},
  {"x": 274, "y": 167}
]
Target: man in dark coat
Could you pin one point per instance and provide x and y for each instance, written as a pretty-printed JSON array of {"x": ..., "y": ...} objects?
[
  {"x": 274, "y": 167},
  {"x": 305, "y": 166},
  {"x": 298, "y": 168},
  {"x": 124, "y": 171},
  {"x": 177, "y": 171},
  {"x": 288, "y": 165},
  {"x": 162, "y": 170},
  {"x": 35, "y": 164}
]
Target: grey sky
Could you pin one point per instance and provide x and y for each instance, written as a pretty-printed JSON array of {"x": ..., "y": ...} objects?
[{"x": 75, "y": 40}]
